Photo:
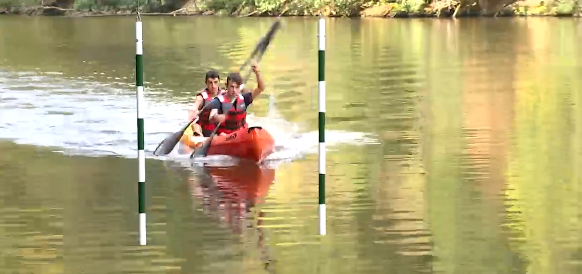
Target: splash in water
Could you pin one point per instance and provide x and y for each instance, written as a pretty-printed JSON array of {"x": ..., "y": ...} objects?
[{"x": 92, "y": 118}]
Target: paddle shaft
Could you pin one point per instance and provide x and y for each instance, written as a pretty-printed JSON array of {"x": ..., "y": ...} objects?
[
  {"x": 168, "y": 144},
  {"x": 262, "y": 46}
]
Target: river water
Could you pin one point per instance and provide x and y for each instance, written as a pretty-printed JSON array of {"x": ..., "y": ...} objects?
[{"x": 453, "y": 147}]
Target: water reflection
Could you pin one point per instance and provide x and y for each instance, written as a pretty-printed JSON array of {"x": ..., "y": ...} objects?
[
  {"x": 230, "y": 194},
  {"x": 477, "y": 171}
]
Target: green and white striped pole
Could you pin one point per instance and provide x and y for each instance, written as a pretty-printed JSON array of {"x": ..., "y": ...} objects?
[
  {"x": 140, "y": 129},
  {"x": 321, "y": 87}
]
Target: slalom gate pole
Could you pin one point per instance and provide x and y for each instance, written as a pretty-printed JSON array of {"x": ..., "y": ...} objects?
[
  {"x": 140, "y": 129},
  {"x": 321, "y": 123}
]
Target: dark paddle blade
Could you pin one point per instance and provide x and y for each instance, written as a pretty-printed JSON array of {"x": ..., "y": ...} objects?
[
  {"x": 261, "y": 47},
  {"x": 168, "y": 144}
]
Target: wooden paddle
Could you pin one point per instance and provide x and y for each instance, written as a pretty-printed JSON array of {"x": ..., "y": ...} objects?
[
  {"x": 263, "y": 44},
  {"x": 168, "y": 144}
]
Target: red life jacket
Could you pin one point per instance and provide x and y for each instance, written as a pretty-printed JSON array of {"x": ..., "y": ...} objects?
[
  {"x": 235, "y": 117},
  {"x": 203, "y": 118}
]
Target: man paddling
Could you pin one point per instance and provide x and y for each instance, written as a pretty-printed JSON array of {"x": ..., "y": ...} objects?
[
  {"x": 233, "y": 115},
  {"x": 204, "y": 127}
]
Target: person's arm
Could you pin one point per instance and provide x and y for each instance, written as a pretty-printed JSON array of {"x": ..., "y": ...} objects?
[
  {"x": 260, "y": 84},
  {"x": 248, "y": 97},
  {"x": 214, "y": 116},
  {"x": 193, "y": 112}
]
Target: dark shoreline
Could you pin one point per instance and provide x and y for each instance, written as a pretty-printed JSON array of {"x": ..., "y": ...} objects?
[
  {"x": 410, "y": 16},
  {"x": 383, "y": 11},
  {"x": 514, "y": 10}
]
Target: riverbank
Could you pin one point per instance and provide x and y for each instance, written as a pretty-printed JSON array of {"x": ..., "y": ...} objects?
[{"x": 345, "y": 8}]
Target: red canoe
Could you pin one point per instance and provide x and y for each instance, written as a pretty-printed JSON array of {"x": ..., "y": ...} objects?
[{"x": 252, "y": 143}]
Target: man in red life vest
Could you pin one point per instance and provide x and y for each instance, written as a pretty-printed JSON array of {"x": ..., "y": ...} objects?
[
  {"x": 204, "y": 127},
  {"x": 231, "y": 108}
]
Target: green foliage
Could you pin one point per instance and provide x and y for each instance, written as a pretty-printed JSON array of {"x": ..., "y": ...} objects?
[
  {"x": 229, "y": 6},
  {"x": 413, "y": 6},
  {"x": 347, "y": 8},
  {"x": 565, "y": 7},
  {"x": 268, "y": 6},
  {"x": 18, "y": 3},
  {"x": 85, "y": 5},
  {"x": 552, "y": 8}
]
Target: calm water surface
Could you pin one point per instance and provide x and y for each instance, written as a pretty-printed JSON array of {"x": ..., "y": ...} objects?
[{"x": 453, "y": 147}]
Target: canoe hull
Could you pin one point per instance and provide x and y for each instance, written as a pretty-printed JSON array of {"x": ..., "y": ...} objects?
[{"x": 254, "y": 143}]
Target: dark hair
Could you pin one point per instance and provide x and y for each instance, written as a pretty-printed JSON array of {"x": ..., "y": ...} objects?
[
  {"x": 212, "y": 74},
  {"x": 234, "y": 77}
]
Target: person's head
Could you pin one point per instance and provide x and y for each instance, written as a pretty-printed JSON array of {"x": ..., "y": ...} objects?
[
  {"x": 212, "y": 80},
  {"x": 233, "y": 83}
]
